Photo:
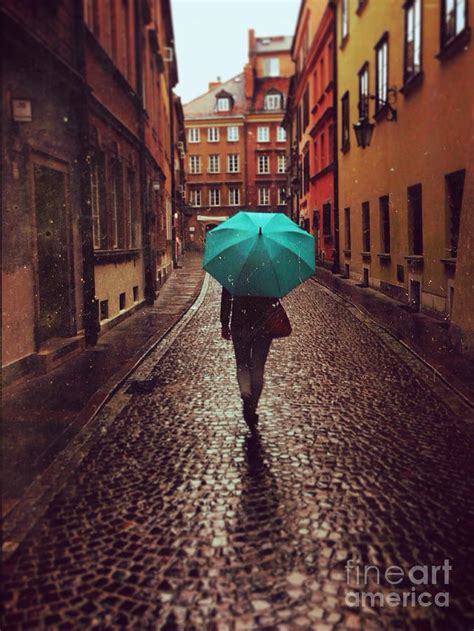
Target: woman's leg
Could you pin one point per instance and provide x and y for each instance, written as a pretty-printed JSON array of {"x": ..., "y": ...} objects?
[
  {"x": 242, "y": 359},
  {"x": 259, "y": 354}
]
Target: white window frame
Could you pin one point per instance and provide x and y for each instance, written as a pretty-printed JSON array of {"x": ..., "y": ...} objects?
[
  {"x": 263, "y": 134},
  {"x": 233, "y": 163},
  {"x": 214, "y": 163},
  {"x": 344, "y": 19},
  {"x": 263, "y": 164},
  {"x": 282, "y": 196},
  {"x": 223, "y": 104},
  {"x": 232, "y": 136},
  {"x": 213, "y": 134},
  {"x": 234, "y": 196},
  {"x": 281, "y": 134},
  {"x": 281, "y": 164},
  {"x": 263, "y": 196},
  {"x": 194, "y": 135},
  {"x": 381, "y": 68},
  {"x": 194, "y": 164},
  {"x": 273, "y": 102},
  {"x": 214, "y": 197},
  {"x": 195, "y": 197}
]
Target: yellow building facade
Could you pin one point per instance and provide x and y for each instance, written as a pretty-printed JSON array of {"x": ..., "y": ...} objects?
[{"x": 407, "y": 70}]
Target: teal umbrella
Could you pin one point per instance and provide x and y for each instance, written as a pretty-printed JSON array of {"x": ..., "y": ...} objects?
[{"x": 259, "y": 254}]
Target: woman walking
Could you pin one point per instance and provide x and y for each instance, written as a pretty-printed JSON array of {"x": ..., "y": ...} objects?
[{"x": 252, "y": 322}]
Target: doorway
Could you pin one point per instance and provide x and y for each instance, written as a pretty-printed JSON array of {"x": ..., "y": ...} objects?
[
  {"x": 415, "y": 295},
  {"x": 53, "y": 253}
]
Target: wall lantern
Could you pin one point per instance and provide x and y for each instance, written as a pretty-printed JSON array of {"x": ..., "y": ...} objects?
[{"x": 364, "y": 129}]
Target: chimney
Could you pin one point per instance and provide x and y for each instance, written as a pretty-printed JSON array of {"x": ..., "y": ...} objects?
[
  {"x": 251, "y": 41},
  {"x": 248, "y": 81},
  {"x": 214, "y": 84}
]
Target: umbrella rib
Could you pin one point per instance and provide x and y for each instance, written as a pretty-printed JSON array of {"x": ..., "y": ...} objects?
[{"x": 233, "y": 245}]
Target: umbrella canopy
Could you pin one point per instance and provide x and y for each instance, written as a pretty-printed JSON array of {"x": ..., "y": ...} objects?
[{"x": 259, "y": 254}]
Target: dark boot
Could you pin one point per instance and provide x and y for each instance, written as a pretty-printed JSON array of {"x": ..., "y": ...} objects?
[{"x": 250, "y": 415}]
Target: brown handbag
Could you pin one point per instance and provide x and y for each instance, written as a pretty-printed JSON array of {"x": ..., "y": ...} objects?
[{"x": 274, "y": 323}]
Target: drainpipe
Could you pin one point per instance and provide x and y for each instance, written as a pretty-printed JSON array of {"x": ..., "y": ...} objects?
[
  {"x": 336, "y": 268},
  {"x": 90, "y": 310},
  {"x": 149, "y": 271}
]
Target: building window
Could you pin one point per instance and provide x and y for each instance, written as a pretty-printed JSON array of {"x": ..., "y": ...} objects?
[
  {"x": 223, "y": 104},
  {"x": 306, "y": 108},
  {"x": 213, "y": 134},
  {"x": 327, "y": 219},
  {"x": 384, "y": 206},
  {"x": 263, "y": 134},
  {"x": 322, "y": 74},
  {"x": 233, "y": 163},
  {"x": 298, "y": 123},
  {"x": 381, "y": 73},
  {"x": 213, "y": 165},
  {"x": 263, "y": 196},
  {"x": 453, "y": 19},
  {"x": 273, "y": 101},
  {"x": 345, "y": 138},
  {"x": 316, "y": 156},
  {"x": 195, "y": 197},
  {"x": 454, "y": 194},
  {"x": 131, "y": 216},
  {"x": 104, "y": 309},
  {"x": 281, "y": 134},
  {"x": 214, "y": 197},
  {"x": 116, "y": 191},
  {"x": 306, "y": 173},
  {"x": 271, "y": 67},
  {"x": 234, "y": 196},
  {"x": 365, "y": 227},
  {"x": 330, "y": 144},
  {"x": 347, "y": 229},
  {"x": 364, "y": 92},
  {"x": 96, "y": 199},
  {"x": 263, "y": 165},
  {"x": 344, "y": 19},
  {"x": 281, "y": 164},
  {"x": 282, "y": 196},
  {"x": 415, "y": 220},
  {"x": 322, "y": 147},
  {"x": 194, "y": 134},
  {"x": 195, "y": 164},
  {"x": 232, "y": 134},
  {"x": 412, "y": 65}
]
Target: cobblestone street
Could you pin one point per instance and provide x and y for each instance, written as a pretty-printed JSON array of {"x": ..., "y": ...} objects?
[{"x": 179, "y": 519}]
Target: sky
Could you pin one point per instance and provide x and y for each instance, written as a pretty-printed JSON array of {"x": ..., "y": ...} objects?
[{"x": 211, "y": 37}]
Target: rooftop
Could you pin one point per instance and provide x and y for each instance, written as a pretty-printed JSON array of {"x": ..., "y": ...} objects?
[{"x": 278, "y": 43}]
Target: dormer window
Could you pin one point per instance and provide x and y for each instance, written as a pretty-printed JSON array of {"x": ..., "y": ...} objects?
[
  {"x": 223, "y": 104},
  {"x": 273, "y": 101},
  {"x": 224, "y": 101}
]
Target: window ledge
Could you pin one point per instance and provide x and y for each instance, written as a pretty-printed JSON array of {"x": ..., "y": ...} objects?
[
  {"x": 381, "y": 113},
  {"x": 449, "y": 262},
  {"x": 361, "y": 6},
  {"x": 115, "y": 256},
  {"x": 347, "y": 254},
  {"x": 415, "y": 260},
  {"x": 384, "y": 257},
  {"x": 455, "y": 45},
  {"x": 344, "y": 42},
  {"x": 412, "y": 83},
  {"x": 366, "y": 256}
]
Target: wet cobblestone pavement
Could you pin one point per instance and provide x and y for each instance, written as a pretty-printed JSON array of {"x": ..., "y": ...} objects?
[{"x": 180, "y": 519}]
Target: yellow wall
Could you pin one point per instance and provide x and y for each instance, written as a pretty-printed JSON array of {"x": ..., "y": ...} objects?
[
  {"x": 427, "y": 142},
  {"x": 111, "y": 280}
]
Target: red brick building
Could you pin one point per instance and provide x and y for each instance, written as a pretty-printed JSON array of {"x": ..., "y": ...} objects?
[
  {"x": 236, "y": 145},
  {"x": 90, "y": 128},
  {"x": 311, "y": 122}
]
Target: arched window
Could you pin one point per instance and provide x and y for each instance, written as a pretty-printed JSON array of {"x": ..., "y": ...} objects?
[{"x": 273, "y": 101}]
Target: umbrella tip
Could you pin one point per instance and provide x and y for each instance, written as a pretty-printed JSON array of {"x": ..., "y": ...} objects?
[{"x": 260, "y": 230}]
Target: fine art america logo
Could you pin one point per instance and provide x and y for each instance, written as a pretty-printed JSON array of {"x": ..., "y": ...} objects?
[{"x": 419, "y": 586}]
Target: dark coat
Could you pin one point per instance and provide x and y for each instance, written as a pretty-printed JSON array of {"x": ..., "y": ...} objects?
[{"x": 243, "y": 313}]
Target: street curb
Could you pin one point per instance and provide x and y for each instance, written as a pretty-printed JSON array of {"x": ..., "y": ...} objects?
[
  {"x": 449, "y": 395},
  {"x": 24, "y": 515}
]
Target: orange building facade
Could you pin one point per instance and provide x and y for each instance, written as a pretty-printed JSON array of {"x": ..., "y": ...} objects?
[
  {"x": 92, "y": 125},
  {"x": 236, "y": 145},
  {"x": 311, "y": 123}
]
